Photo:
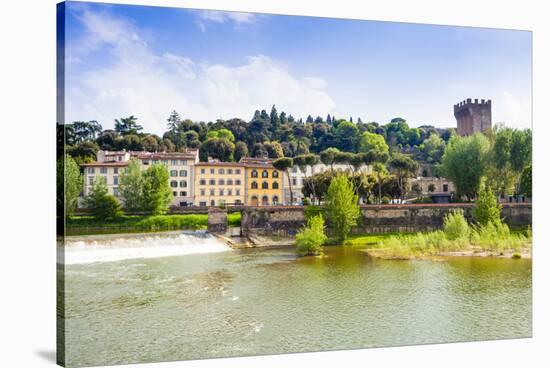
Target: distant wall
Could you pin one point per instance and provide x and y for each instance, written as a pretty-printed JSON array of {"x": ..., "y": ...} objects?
[{"x": 286, "y": 220}]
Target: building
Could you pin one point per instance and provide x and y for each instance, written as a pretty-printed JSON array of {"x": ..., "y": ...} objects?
[
  {"x": 219, "y": 183},
  {"x": 180, "y": 165},
  {"x": 472, "y": 117},
  {"x": 297, "y": 177},
  {"x": 263, "y": 182}
]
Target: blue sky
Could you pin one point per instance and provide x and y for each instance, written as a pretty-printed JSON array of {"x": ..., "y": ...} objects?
[{"x": 148, "y": 61}]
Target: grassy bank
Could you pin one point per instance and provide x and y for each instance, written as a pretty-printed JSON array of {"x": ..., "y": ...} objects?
[{"x": 87, "y": 225}]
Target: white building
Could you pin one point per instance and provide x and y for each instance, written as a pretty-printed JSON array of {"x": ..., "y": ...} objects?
[
  {"x": 180, "y": 165},
  {"x": 297, "y": 178}
]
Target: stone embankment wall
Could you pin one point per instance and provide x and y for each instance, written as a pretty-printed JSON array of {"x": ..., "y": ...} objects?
[
  {"x": 287, "y": 220},
  {"x": 217, "y": 220}
]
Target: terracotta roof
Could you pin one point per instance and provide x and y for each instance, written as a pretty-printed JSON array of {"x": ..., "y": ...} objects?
[
  {"x": 214, "y": 164},
  {"x": 163, "y": 155}
]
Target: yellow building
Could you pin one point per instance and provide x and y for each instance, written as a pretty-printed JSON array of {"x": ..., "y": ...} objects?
[
  {"x": 264, "y": 183},
  {"x": 219, "y": 183}
]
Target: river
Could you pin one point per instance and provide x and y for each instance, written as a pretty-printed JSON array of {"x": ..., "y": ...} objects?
[{"x": 192, "y": 297}]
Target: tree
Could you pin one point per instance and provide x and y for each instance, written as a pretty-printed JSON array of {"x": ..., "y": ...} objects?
[
  {"x": 347, "y": 136},
  {"x": 328, "y": 156},
  {"x": 241, "y": 150},
  {"x": 404, "y": 168},
  {"x": 174, "y": 121},
  {"x": 156, "y": 190},
  {"x": 69, "y": 184},
  {"x": 221, "y": 134},
  {"x": 104, "y": 206},
  {"x": 285, "y": 164},
  {"x": 310, "y": 239},
  {"x": 219, "y": 148},
  {"x": 82, "y": 131},
  {"x": 150, "y": 143},
  {"x": 127, "y": 125},
  {"x": 431, "y": 188},
  {"x": 131, "y": 187},
  {"x": 525, "y": 186},
  {"x": 342, "y": 208},
  {"x": 380, "y": 172},
  {"x": 83, "y": 152},
  {"x": 487, "y": 209},
  {"x": 372, "y": 141},
  {"x": 465, "y": 163},
  {"x": 433, "y": 148},
  {"x": 274, "y": 149}
]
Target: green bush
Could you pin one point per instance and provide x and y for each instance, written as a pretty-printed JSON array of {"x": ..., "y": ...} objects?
[
  {"x": 312, "y": 211},
  {"x": 455, "y": 226},
  {"x": 310, "y": 239}
]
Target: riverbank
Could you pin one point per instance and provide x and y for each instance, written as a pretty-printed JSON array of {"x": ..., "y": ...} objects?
[{"x": 87, "y": 225}]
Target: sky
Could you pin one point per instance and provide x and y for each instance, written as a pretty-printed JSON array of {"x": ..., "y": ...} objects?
[{"x": 123, "y": 60}]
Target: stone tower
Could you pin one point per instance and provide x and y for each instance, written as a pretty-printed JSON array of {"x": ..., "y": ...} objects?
[{"x": 472, "y": 117}]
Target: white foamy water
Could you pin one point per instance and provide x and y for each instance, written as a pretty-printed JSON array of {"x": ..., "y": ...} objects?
[{"x": 109, "y": 249}]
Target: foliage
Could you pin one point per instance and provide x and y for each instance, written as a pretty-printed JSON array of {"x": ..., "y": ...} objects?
[
  {"x": 69, "y": 184},
  {"x": 404, "y": 168},
  {"x": 241, "y": 150},
  {"x": 525, "y": 186},
  {"x": 127, "y": 125},
  {"x": 310, "y": 239},
  {"x": 433, "y": 148},
  {"x": 103, "y": 206},
  {"x": 312, "y": 211},
  {"x": 341, "y": 206},
  {"x": 131, "y": 187},
  {"x": 372, "y": 141},
  {"x": 455, "y": 226},
  {"x": 156, "y": 190},
  {"x": 487, "y": 209},
  {"x": 284, "y": 164},
  {"x": 465, "y": 163}
]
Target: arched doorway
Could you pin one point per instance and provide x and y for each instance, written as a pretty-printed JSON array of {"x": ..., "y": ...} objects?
[
  {"x": 265, "y": 201},
  {"x": 254, "y": 201},
  {"x": 275, "y": 200}
]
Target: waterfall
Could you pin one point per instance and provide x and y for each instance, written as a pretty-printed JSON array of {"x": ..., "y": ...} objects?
[{"x": 109, "y": 248}]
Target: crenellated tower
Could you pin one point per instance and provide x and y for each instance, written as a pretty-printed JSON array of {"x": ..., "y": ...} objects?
[{"x": 472, "y": 116}]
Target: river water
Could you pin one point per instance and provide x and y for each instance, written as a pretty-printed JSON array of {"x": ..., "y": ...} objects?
[{"x": 192, "y": 297}]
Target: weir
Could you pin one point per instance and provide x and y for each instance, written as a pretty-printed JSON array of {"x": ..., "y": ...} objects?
[{"x": 111, "y": 248}]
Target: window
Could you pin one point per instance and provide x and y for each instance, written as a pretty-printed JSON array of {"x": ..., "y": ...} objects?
[
  {"x": 212, "y": 202},
  {"x": 203, "y": 182},
  {"x": 275, "y": 185},
  {"x": 265, "y": 201},
  {"x": 103, "y": 170},
  {"x": 115, "y": 191},
  {"x": 294, "y": 181},
  {"x": 265, "y": 185},
  {"x": 229, "y": 192},
  {"x": 294, "y": 169},
  {"x": 237, "y": 192},
  {"x": 275, "y": 174},
  {"x": 202, "y": 204},
  {"x": 183, "y": 173},
  {"x": 202, "y": 171},
  {"x": 237, "y": 201},
  {"x": 91, "y": 170},
  {"x": 254, "y": 185},
  {"x": 183, "y": 184},
  {"x": 211, "y": 171},
  {"x": 175, "y": 194},
  {"x": 221, "y": 182},
  {"x": 119, "y": 158},
  {"x": 174, "y": 184},
  {"x": 229, "y": 181},
  {"x": 254, "y": 174},
  {"x": 265, "y": 174},
  {"x": 221, "y": 192},
  {"x": 165, "y": 162},
  {"x": 275, "y": 200},
  {"x": 202, "y": 192},
  {"x": 116, "y": 170},
  {"x": 212, "y": 192},
  {"x": 212, "y": 181},
  {"x": 445, "y": 187},
  {"x": 174, "y": 162},
  {"x": 155, "y": 162},
  {"x": 91, "y": 180},
  {"x": 183, "y": 162},
  {"x": 183, "y": 194},
  {"x": 173, "y": 172},
  {"x": 237, "y": 171},
  {"x": 238, "y": 182},
  {"x": 146, "y": 162},
  {"x": 221, "y": 171},
  {"x": 230, "y": 171},
  {"x": 115, "y": 180}
]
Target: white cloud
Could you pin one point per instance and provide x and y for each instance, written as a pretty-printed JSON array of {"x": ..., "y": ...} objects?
[
  {"x": 214, "y": 16},
  {"x": 512, "y": 111},
  {"x": 138, "y": 81}
]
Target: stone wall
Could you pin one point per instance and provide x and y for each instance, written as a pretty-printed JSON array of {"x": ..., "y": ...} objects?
[
  {"x": 217, "y": 220},
  {"x": 286, "y": 220}
]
